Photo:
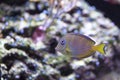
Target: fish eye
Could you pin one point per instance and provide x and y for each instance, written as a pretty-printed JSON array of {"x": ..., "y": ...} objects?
[{"x": 63, "y": 42}]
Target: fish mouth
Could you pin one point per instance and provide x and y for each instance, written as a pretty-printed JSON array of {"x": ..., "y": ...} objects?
[{"x": 57, "y": 49}]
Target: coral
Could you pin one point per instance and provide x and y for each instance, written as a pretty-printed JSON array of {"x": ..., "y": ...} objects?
[{"x": 29, "y": 36}]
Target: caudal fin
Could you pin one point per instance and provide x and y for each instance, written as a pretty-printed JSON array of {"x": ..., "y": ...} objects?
[{"x": 99, "y": 48}]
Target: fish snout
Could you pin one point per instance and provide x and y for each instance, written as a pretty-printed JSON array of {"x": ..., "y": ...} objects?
[{"x": 56, "y": 48}]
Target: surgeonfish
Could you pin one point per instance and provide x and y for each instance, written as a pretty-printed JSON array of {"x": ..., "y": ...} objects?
[{"x": 79, "y": 46}]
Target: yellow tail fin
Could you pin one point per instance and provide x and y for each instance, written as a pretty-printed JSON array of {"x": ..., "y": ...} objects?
[{"x": 99, "y": 48}]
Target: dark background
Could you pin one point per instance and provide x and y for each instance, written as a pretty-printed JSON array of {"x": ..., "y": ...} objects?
[{"x": 111, "y": 11}]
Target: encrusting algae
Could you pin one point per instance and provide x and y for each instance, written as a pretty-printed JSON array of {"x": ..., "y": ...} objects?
[{"x": 29, "y": 36}]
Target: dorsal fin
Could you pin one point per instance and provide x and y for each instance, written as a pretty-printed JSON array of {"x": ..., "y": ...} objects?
[{"x": 84, "y": 36}]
